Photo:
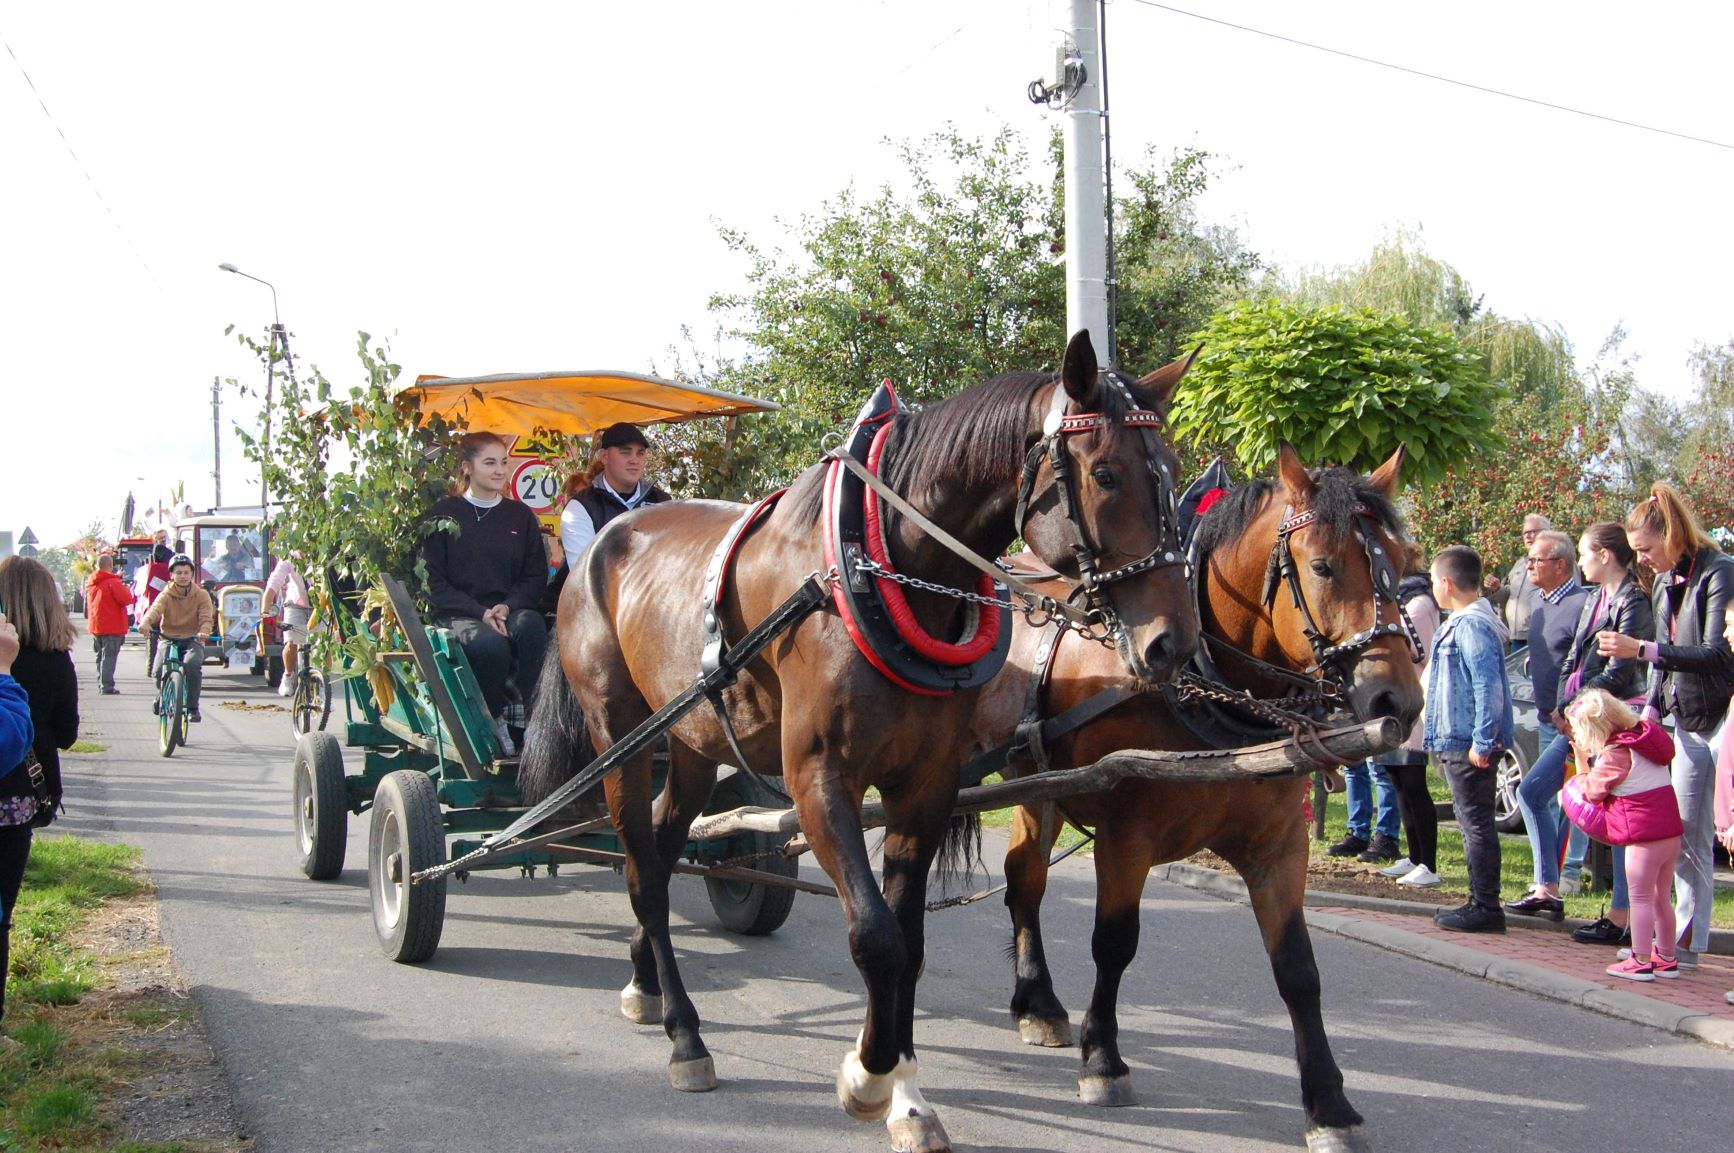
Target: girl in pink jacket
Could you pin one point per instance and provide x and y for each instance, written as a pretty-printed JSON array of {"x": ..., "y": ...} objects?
[{"x": 1623, "y": 795}]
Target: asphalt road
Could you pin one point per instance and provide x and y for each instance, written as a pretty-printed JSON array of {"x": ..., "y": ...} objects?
[{"x": 510, "y": 1037}]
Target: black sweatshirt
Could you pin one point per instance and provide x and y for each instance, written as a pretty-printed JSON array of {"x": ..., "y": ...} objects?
[
  {"x": 497, "y": 557},
  {"x": 52, "y": 684}
]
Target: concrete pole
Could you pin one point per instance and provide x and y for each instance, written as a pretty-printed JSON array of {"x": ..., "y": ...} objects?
[
  {"x": 217, "y": 443},
  {"x": 1086, "y": 241}
]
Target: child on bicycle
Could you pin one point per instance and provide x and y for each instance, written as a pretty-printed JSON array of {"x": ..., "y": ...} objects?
[
  {"x": 288, "y": 589},
  {"x": 183, "y": 613}
]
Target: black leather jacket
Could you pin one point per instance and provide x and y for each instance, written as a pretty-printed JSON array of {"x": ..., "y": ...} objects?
[
  {"x": 1694, "y": 667},
  {"x": 1629, "y": 613}
]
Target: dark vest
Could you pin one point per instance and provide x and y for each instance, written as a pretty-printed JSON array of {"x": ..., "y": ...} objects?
[{"x": 604, "y": 508}]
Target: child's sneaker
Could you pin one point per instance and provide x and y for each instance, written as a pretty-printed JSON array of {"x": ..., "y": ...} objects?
[
  {"x": 1668, "y": 967},
  {"x": 1633, "y": 969}
]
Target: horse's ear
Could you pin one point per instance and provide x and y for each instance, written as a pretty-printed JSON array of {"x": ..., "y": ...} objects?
[
  {"x": 1078, "y": 370},
  {"x": 1162, "y": 383},
  {"x": 1293, "y": 475},
  {"x": 1384, "y": 477}
]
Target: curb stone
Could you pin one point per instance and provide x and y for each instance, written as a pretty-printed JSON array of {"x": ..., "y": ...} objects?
[{"x": 1541, "y": 981}]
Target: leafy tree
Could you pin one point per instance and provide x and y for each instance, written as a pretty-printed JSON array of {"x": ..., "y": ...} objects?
[
  {"x": 952, "y": 280},
  {"x": 1173, "y": 269},
  {"x": 1343, "y": 386},
  {"x": 351, "y": 471}
]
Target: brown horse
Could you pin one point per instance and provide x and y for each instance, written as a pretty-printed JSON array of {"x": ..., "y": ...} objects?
[
  {"x": 1256, "y": 826},
  {"x": 813, "y": 707}
]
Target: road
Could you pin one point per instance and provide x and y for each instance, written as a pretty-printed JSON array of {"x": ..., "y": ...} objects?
[{"x": 510, "y": 1038}]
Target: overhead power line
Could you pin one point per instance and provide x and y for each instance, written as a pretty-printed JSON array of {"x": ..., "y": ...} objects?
[
  {"x": 1435, "y": 76},
  {"x": 120, "y": 228}
]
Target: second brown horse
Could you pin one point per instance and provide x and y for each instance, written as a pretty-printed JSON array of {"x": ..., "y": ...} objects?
[{"x": 1258, "y": 827}]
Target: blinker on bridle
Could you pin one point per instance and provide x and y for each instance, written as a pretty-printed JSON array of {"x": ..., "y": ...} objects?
[
  {"x": 1334, "y": 663},
  {"x": 1092, "y": 581}
]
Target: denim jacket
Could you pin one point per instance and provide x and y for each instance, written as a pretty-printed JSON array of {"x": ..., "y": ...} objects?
[{"x": 1468, "y": 693}]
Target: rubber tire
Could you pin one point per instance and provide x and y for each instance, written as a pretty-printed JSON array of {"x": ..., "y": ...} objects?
[
  {"x": 171, "y": 722},
  {"x": 741, "y": 907},
  {"x": 406, "y": 819},
  {"x": 273, "y": 671},
  {"x": 1510, "y": 768},
  {"x": 300, "y": 714},
  {"x": 321, "y": 806}
]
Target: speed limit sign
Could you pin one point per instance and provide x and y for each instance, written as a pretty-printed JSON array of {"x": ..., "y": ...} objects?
[{"x": 537, "y": 485}]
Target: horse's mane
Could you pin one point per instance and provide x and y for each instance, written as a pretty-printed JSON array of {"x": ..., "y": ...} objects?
[
  {"x": 969, "y": 440},
  {"x": 1338, "y": 491}
]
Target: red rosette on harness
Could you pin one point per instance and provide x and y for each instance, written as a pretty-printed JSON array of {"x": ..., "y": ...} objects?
[{"x": 873, "y": 607}]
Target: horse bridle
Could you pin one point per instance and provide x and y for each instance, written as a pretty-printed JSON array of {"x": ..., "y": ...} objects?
[
  {"x": 1334, "y": 663},
  {"x": 1092, "y": 581}
]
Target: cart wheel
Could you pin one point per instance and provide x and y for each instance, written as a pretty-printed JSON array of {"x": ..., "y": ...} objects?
[
  {"x": 406, "y": 836},
  {"x": 743, "y": 906},
  {"x": 321, "y": 806}
]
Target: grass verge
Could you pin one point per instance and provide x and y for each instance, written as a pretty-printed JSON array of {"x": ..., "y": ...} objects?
[{"x": 53, "y": 1085}]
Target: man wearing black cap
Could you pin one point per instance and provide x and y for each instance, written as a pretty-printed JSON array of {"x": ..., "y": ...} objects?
[{"x": 619, "y": 487}]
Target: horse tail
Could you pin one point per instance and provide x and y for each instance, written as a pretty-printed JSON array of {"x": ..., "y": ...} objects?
[
  {"x": 960, "y": 851},
  {"x": 556, "y": 745}
]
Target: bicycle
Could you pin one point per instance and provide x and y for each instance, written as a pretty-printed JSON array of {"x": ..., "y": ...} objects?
[
  {"x": 171, "y": 703},
  {"x": 310, "y": 703}
]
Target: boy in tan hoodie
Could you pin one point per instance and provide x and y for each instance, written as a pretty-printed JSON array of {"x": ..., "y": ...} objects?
[{"x": 184, "y": 612}]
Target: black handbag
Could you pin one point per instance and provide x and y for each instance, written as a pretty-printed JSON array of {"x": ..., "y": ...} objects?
[{"x": 45, "y": 800}]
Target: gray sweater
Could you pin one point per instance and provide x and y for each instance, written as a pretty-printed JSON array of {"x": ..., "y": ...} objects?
[{"x": 1551, "y": 631}]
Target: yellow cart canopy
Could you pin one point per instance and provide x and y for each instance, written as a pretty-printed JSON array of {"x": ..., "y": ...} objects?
[{"x": 574, "y": 403}]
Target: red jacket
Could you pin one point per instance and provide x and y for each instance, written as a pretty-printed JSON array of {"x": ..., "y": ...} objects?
[{"x": 106, "y": 597}]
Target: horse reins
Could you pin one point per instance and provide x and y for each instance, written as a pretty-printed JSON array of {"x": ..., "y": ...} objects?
[
  {"x": 1334, "y": 663},
  {"x": 1092, "y": 581}
]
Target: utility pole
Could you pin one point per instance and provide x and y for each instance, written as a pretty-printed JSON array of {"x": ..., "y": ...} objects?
[
  {"x": 217, "y": 442},
  {"x": 1086, "y": 242}
]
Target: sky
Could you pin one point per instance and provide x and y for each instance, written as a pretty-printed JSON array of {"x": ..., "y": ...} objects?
[{"x": 530, "y": 187}]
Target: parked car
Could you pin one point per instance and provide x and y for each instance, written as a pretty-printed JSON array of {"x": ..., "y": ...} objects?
[{"x": 1525, "y": 746}]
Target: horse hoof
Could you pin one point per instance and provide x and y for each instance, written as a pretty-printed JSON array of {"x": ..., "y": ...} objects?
[
  {"x": 857, "y": 1107},
  {"x": 1051, "y": 1032},
  {"x": 1108, "y": 1092},
  {"x": 640, "y": 1007},
  {"x": 918, "y": 1134},
  {"x": 695, "y": 1076},
  {"x": 1349, "y": 1139}
]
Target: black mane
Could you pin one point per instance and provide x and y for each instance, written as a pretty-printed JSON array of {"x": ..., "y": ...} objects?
[
  {"x": 1338, "y": 491},
  {"x": 971, "y": 440}
]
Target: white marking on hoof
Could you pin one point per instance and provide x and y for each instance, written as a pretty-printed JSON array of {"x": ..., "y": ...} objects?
[
  {"x": 1108, "y": 1092},
  {"x": 864, "y": 1096},
  {"x": 1051, "y": 1032},
  {"x": 914, "y": 1125},
  {"x": 918, "y": 1135},
  {"x": 639, "y": 1007},
  {"x": 695, "y": 1076},
  {"x": 1352, "y": 1139}
]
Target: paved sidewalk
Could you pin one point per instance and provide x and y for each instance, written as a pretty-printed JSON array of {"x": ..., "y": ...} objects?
[{"x": 1542, "y": 961}]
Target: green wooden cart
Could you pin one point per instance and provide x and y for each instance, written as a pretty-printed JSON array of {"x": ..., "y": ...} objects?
[{"x": 434, "y": 783}]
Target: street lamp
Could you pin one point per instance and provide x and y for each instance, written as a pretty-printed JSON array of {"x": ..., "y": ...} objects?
[{"x": 278, "y": 346}]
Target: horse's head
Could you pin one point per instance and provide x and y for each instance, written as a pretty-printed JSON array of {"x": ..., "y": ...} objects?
[
  {"x": 1097, "y": 503},
  {"x": 1330, "y": 584}
]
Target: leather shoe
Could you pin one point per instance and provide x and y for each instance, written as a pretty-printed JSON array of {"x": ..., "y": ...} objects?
[
  {"x": 1349, "y": 846},
  {"x": 1537, "y": 905},
  {"x": 1382, "y": 849},
  {"x": 1472, "y": 919},
  {"x": 1602, "y": 932}
]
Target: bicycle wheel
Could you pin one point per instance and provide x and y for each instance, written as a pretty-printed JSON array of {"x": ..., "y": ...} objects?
[
  {"x": 171, "y": 715},
  {"x": 310, "y": 708}
]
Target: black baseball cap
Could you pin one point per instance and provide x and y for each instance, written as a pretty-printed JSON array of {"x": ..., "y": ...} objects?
[{"x": 622, "y": 434}]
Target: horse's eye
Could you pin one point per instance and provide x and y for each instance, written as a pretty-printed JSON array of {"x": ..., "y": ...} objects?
[
  {"x": 1322, "y": 569},
  {"x": 1104, "y": 478}
]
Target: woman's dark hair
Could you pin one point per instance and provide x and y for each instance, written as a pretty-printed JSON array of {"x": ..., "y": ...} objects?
[
  {"x": 33, "y": 605},
  {"x": 469, "y": 447},
  {"x": 1606, "y": 534}
]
